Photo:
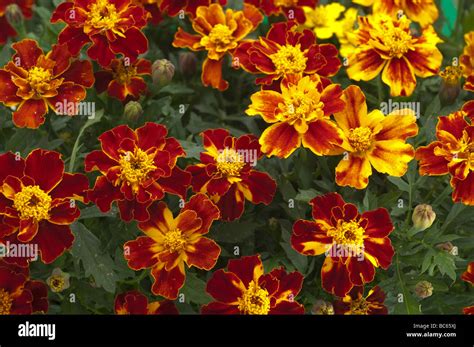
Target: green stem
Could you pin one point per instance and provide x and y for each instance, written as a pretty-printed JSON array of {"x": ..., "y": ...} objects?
[{"x": 402, "y": 286}]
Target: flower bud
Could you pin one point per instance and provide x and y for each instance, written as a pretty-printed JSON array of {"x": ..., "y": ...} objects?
[
  {"x": 188, "y": 64},
  {"x": 58, "y": 281},
  {"x": 133, "y": 110},
  {"x": 14, "y": 15},
  {"x": 445, "y": 246},
  {"x": 423, "y": 217},
  {"x": 450, "y": 85},
  {"x": 424, "y": 289},
  {"x": 162, "y": 72},
  {"x": 322, "y": 307}
]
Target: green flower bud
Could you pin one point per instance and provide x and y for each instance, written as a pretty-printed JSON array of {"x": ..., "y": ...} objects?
[
  {"x": 133, "y": 111},
  {"x": 423, "y": 289},
  {"x": 162, "y": 72},
  {"x": 423, "y": 217}
]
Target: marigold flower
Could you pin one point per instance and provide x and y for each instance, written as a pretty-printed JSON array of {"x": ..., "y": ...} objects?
[
  {"x": 355, "y": 244},
  {"x": 451, "y": 154},
  {"x": 451, "y": 83},
  {"x": 38, "y": 203},
  {"x": 6, "y": 29},
  {"x": 35, "y": 82},
  {"x": 153, "y": 7},
  {"x": 372, "y": 140},
  {"x": 467, "y": 61},
  {"x": 424, "y": 12},
  {"x": 137, "y": 168},
  {"x": 468, "y": 276},
  {"x": 468, "y": 109},
  {"x": 285, "y": 51},
  {"x": 58, "y": 281},
  {"x": 122, "y": 81},
  {"x": 384, "y": 44},
  {"x": 19, "y": 294},
  {"x": 218, "y": 33},
  {"x": 300, "y": 115},
  {"x": 134, "y": 302},
  {"x": 291, "y": 9},
  {"x": 111, "y": 26},
  {"x": 226, "y": 173},
  {"x": 324, "y": 19},
  {"x": 170, "y": 243},
  {"x": 245, "y": 289},
  {"x": 355, "y": 303}
]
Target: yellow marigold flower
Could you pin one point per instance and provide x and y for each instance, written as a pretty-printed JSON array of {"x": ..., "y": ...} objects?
[
  {"x": 372, "y": 140},
  {"x": 324, "y": 19},
  {"x": 424, "y": 12},
  {"x": 385, "y": 44},
  {"x": 345, "y": 34}
]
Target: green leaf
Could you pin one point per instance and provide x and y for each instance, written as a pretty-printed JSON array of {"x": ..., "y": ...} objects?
[
  {"x": 446, "y": 265},
  {"x": 401, "y": 184},
  {"x": 194, "y": 290}
]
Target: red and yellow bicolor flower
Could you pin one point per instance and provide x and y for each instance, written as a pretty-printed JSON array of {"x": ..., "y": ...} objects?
[
  {"x": 111, "y": 26},
  {"x": 355, "y": 303},
  {"x": 354, "y": 244},
  {"x": 124, "y": 81},
  {"x": 386, "y": 45},
  {"x": 37, "y": 205},
  {"x": 291, "y": 9},
  {"x": 226, "y": 173},
  {"x": 452, "y": 153},
  {"x": 286, "y": 51},
  {"x": 299, "y": 115},
  {"x": 246, "y": 289},
  {"x": 467, "y": 61},
  {"x": 137, "y": 167},
  {"x": 13, "y": 8},
  {"x": 19, "y": 294},
  {"x": 171, "y": 243},
  {"x": 219, "y": 33},
  {"x": 424, "y": 12},
  {"x": 134, "y": 302},
  {"x": 468, "y": 276},
  {"x": 372, "y": 140},
  {"x": 35, "y": 82}
]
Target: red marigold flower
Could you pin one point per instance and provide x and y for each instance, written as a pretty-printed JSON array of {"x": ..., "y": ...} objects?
[
  {"x": 137, "y": 168},
  {"x": 468, "y": 108},
  {"x": 153, "y": 7},
  {"x": 174, "y": 7},
  {"x": 356, "y": 303},
  {"x": 35, "y": 82},
  {"x": 218, "y": 33},
  {"x": 111, "y": 26},
  {"x": 468, "y": 276},
  {"x": 467, "y": 61},
  {"x": 122, "y": 80},
  {"x": 226, "y": 173},
  {"x": 286, "y": 51},
  {"x": 354, "y": 244},
  {"x": 38, "y": 204},
  {"x": 451, "y": 154},
  {"x": 24, "y": 6},
  {"x": 245, "y": 289},
  {"x": 170, "y": 243},
  {"x": 292, "y": 9},
  {"x": 134, "y": 302},
  {"x": 19, "y": 294}
]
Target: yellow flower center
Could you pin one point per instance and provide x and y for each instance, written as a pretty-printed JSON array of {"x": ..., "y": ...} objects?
[
  {"x": 361, "y": 138},
  {"x": 32, "y": 203},
  {"x": 465, "y": 151},
  {"x": 359, "y": 307},
  {"x": 56, "y": 283},
  {"x": 6, "y": 302},
  {"x": 347, "y": 233},
  {"x": 220, "y": 38},
  {"x": 451, "y": 75},
  {"x": 174, "y": 240},
  {"x": 255, "y": 300},
  {"x": 39, "y": 78},
  {"x": 103, "y": 15},
  {"x": 230, "y": 162},
  {"x": 286, "y": 3},
  {"x": 301, "y": 108},
  {"x": 135, "y": 167},
  {"x": 124, "y": 74},
  {"x": 289, "y": 60},
  {"x": 397, "y": 40}
]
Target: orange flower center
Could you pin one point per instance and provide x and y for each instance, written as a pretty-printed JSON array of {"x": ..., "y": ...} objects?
[
  {"x": 286, "y": 3},
  {"x": 56, "y": 283},
  {"x": 102, "y": 15},
  {"x": 230, "y": 162},
  {"x": 451, "y": 75},
  {"x": 255, "y": 300},
  {"x": 348, "y": 233},
  {"x": 360, "y": 307},
  {"x": 135, "y": 167},
  {"x": 302, "y": 106},
  {"x": 220, "y": 38},
  {"x": 289, "y": 60},
  {"x": 6, "y": 302},
  {"x": 361, "y": 139},
  {"x": 39, "y": 78},
  {"x": 465, "y": 151},
  {"x": 124, "y": 74},
  {"x": 174, "y": 240},
  {"x": 32, "y": 203},
  {"x": 397, "y": 40}
]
